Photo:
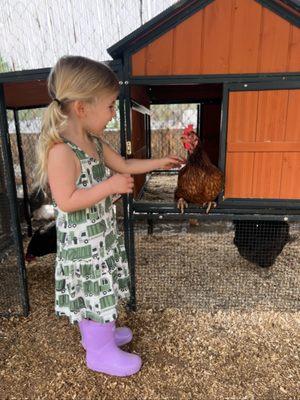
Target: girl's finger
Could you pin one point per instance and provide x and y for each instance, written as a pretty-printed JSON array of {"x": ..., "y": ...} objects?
[{"x": 177, "y": 159}]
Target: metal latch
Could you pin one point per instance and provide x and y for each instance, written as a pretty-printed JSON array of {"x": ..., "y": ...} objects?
[{"x": 128, "y": 148}]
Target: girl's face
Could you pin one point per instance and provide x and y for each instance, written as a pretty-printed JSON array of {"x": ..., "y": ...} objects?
[{"x": 100, "y": 113}]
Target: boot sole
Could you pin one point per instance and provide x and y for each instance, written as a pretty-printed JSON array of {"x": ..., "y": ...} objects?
[{"x": 107, "y": 370}]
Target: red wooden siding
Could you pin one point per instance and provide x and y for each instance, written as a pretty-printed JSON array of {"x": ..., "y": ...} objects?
[
  {"x": 263, "y": 145},
  {"x": 22, "y": 94},
  {"x": 245, "y": 25},
  {"x": 226, "y": 37}
]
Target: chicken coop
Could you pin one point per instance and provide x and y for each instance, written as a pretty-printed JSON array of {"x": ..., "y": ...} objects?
[
  {"x": 233, "y": 66},
  {"x": 237, "y": 63}
]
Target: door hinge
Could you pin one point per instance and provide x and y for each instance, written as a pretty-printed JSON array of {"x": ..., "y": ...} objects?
[{"x": 128, "y": 148}]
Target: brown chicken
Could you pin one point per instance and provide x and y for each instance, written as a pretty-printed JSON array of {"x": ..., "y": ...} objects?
[{"x": 199, "y": 181}]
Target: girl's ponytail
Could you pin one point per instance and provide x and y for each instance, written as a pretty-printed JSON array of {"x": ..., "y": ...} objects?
[{"x": 54, "y": 121}]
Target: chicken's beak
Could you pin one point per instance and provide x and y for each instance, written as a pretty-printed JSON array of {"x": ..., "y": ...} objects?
[{"x": 185, "y": 143}]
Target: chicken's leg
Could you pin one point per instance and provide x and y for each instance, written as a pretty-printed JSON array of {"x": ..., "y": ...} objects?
[
  {"x": 181, "y": 205},
  {"x": 209, "y": 204}
]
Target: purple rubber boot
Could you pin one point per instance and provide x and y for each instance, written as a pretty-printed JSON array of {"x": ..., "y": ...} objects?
[
  {"x": 122, "y": 335},
  {"x": 102, "y": 353}
]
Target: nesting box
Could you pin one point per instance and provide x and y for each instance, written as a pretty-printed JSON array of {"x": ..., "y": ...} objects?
[{"x": 240, "y": 60}]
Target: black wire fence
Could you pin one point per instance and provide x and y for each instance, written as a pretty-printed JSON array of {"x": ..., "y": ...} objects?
[
  {"x": 13, "y": 287},
  {"x": 213, "y": 264}
]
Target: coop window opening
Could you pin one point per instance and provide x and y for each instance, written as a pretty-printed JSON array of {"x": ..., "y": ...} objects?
[{"x": 172, "y": 108}]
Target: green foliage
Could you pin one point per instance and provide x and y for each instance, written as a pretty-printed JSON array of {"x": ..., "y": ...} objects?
[
  {"x": 115, "y": 122},
  {"x": 4, "y": 66}
]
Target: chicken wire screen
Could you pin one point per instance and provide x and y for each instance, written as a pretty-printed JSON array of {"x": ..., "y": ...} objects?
[
  {"x": 223, "y": 264},
  {"x": 167, "y": 124},
  {"x": 11, "y": 289},
  {"x": 30, "y": 122}
]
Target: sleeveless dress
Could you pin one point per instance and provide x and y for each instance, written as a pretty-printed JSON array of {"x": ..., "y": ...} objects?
[{"x": 91, "y": 271}]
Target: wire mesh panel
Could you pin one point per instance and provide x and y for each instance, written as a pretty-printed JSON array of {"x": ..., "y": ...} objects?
[
  {"x": 30, "y": 126},
  {"x": 12, "y": 295},
  {"x": 167, "y": 124},
  {"x": 217, "y": 264},
  {"x": 160, "y": 187},
  {"x": 23, "y": 154}
]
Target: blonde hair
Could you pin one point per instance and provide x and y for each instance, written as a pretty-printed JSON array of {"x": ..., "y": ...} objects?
[{"x": 72, "y": 78}]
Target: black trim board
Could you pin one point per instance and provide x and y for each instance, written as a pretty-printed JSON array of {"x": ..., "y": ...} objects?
[
  {"x": 293, "y": 3},
  {"x": 24, "y": 76},
  {"x": 216, "y": 216},
  {"x": 43, "y": 73},
  {"x": 291, "y": 17},
  {"x": 204, "y": 79},
  {"x": 171, "y": 208}
]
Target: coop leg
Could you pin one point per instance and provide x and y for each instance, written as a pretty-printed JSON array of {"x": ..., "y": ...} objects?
[{"x": 150, "y": 226}]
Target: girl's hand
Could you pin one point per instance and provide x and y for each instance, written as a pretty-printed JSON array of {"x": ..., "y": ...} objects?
[
  {"x": 171, "y": 162},
  {"x": 121, "y": 183}
]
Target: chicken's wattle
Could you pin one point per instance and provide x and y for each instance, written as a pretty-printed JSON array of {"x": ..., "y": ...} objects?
[{"x": 187, "y": 146}]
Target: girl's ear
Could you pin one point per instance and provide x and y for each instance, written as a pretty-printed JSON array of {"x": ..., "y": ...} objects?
[{"x": 80, "y": 108}]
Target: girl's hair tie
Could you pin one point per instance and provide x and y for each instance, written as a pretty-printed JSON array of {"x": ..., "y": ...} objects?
[{"x": 57, "y": 101}]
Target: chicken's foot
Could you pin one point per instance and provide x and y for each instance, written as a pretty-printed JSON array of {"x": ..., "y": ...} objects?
[
  {"x": 210, "y": 204},
  {"x": 181, "y": 205}
]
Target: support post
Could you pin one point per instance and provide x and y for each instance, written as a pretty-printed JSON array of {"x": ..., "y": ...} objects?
[
  {"x": 13, "y": 205},
  {"x": 26, "y": 204}
]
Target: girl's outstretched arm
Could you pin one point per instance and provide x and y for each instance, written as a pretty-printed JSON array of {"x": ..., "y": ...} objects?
[
  {"x": 134, "y": 166},
  {"x": 63, "y": 172}
]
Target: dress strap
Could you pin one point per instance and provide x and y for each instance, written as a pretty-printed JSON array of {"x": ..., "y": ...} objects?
[
  {"x": 99, "y": 147},
  {"x": 79, "y": 153}
]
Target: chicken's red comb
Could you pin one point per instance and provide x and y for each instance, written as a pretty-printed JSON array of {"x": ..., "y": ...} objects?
[{"x": 188, "y": 130}]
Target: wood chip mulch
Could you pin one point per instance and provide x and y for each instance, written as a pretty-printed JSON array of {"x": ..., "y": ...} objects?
[{"x": 187, "y": 354}]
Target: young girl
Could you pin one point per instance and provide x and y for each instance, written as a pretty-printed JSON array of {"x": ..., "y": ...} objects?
[{"x": 91, "y": 267}]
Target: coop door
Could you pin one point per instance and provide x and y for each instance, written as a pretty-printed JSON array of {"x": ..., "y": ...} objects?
[
  {"x": 263, "y": 143},
  {"x": 140, "y": 132}
]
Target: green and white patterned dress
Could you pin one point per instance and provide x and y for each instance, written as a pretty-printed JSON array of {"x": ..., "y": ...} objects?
[{"x": 91, "y": 265}]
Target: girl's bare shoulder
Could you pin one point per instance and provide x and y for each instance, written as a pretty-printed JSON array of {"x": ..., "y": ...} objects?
[{"x": 61, "y": 150}]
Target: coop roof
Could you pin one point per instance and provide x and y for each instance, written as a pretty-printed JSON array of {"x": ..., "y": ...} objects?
[{"x": 172, "y": 16}]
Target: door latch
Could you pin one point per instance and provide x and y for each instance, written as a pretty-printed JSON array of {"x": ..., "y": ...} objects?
[{"x": 128, "y": 148}]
